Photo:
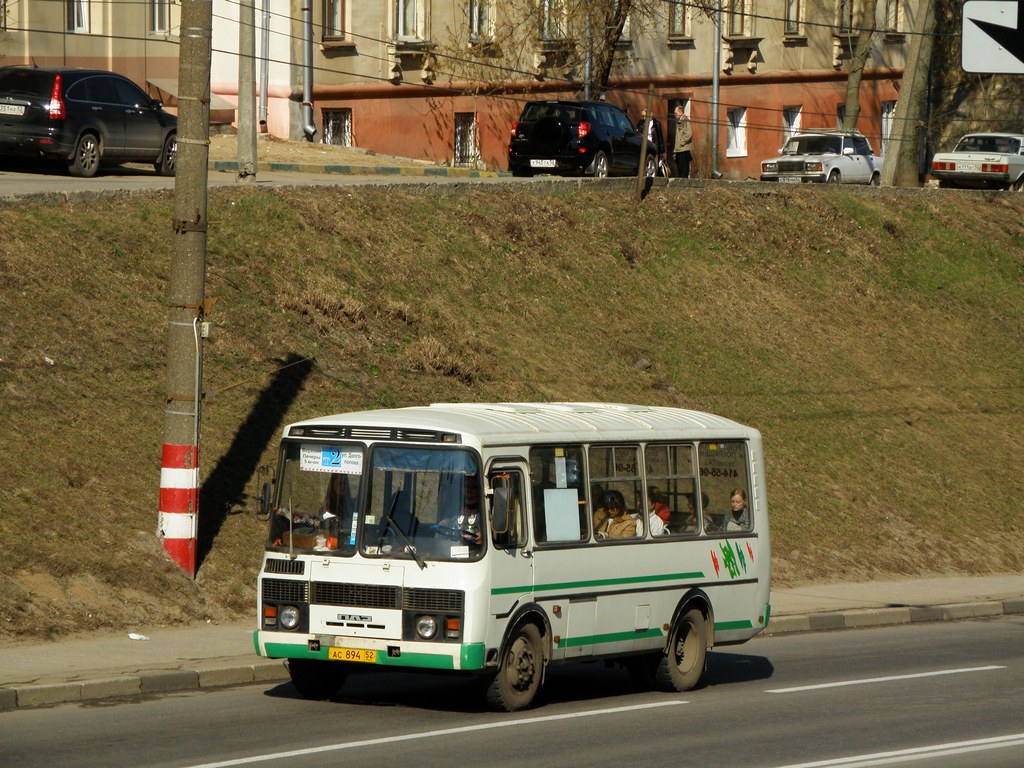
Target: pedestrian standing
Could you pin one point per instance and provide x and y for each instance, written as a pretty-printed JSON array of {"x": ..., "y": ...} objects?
[{"x": 682, "y": 151}]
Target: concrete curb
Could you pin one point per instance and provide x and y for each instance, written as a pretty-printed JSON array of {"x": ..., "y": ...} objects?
[
  {"x": 359, "y": 170},
  {"x": 224, "y": 673}
]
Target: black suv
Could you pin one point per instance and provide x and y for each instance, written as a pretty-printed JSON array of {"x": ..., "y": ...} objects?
[
  {"x": 83, "y": 117},
  {"x": 573, "y": 137}
]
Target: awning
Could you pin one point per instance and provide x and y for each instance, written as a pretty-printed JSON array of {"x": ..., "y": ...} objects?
[{"x": 169, "y": 86}]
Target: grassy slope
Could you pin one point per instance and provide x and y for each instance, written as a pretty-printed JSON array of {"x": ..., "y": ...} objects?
[{"x": 873, "y": 338}]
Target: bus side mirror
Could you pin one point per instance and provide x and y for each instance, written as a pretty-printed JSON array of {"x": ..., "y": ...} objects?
[
  {"x": 265, "y": 501},
  {"x": 499, "y": 509}
]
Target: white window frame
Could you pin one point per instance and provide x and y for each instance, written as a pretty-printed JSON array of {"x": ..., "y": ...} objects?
[
  {"x": 481, "y": 20},
  {"x": 552, "y": 20},
  {"x": 793, "y": 23},
  {"x": 792, "y": 118},
  {"x": 470, "y": 147},
  {"x": 888, "y": 119},
  {"x": 410, "y": 19},
  {"x": 740, "y": 18},
  {"x": 893, "y": 16},
  {"x": 342, "y": 131},
  {"x": 736, "y": 132},
  {"x": 160, "y": 16},
  {"x": 335, "y": 22},
  {"x": 78, "y": 15}
]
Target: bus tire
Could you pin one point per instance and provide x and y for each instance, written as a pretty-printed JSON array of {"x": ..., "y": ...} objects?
[
  {"x": 316, "y": 679},
  {"x": 520, "y": 671},
  {"x": 682, "y": 666}
]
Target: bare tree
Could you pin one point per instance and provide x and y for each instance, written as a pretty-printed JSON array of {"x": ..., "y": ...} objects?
[{"x": 865, "y": 41}]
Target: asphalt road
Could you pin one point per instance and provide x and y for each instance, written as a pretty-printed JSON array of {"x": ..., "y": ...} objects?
[{"x": 935, "y": 695}]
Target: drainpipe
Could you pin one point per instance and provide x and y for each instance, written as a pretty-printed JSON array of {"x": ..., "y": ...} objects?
[
  {"x": 309, "y": 129},
  {"x": 264, "y": 63},
  {"x": 715, "y": 106}
]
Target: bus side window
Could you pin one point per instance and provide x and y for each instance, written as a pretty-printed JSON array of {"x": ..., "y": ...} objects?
[
  {"x": 725, "y": 487},
  {"x": 556, "y": 479}
]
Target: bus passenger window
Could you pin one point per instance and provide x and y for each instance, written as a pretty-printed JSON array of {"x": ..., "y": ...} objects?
[
  {"x": 556, "y": 479},
  {"x": 725, "y": 487}
]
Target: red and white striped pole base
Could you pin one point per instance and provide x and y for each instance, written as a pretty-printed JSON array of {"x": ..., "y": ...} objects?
[{"x": 179, "y": 504}]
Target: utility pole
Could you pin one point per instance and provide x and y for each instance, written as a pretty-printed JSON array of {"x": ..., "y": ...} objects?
[
  {"x": 179, "y": 467},
  {"x": 903, "y": 153},
  {"x": 246, "y": 91},
  {"x": 641, "y": 172}
]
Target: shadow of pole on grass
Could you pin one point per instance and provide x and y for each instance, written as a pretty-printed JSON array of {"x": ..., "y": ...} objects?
[{"x": 225, "y": 485}]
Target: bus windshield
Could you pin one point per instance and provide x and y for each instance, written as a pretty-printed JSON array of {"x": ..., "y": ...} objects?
[{"x": 424, "y": 504}]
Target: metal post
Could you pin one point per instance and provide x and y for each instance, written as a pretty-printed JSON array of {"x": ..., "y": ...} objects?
[
  {"x": 716, "y": 75},
  {"x": 246, "y": 91},
  {"x": 179, "y": 468}
]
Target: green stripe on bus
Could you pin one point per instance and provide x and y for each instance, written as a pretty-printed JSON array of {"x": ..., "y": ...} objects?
[
  {"x": 619, "y": 581},
  {"x": 471, "y": 656},
  {"x": 725, "y": 626},
  {"x": 610, "y": 637}
]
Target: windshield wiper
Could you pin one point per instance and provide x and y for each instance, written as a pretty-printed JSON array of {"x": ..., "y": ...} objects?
[{"x": 390, "y": 523}]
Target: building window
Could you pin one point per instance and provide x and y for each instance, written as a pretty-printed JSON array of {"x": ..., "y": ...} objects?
[
  {"x": 78, "y": 15},
  {"x": 409, "y": 16},
  {"x": 3, "y": 15},
  {"x": 894, "y": 16},
  {"x": 790, "y": 122},
  {"x": 844, "y": 17},
  {"x": 888, "y": 114},
  {"x": 740, "y": 18},
  {"x": 160, "y": 10},
  {"x": 736, "y": 132},
  {"x": 480, "y": 21},
  {"x": 334, "y": 18},
  {"x": 792, "y": 22},
  {"x": 466, "y": 151},
  {"x": 840, "y": 116},
  {"x": 552, "y": 20},
  {"x": 678, "y": 19},
  {"x": 337, "y": 127}
]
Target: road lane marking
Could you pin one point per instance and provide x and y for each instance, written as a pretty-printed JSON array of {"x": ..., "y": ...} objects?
[
  {"x": 866, "y": 681},
  {"x": 430, "y": 735},
  {"x": 917, "y": 753}
]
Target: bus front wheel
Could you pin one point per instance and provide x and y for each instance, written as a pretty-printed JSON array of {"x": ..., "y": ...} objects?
[
  {"x": 682, "y": 667},
  {"x": 316, "y": 679},
  {"x": 519, "y": 673}
]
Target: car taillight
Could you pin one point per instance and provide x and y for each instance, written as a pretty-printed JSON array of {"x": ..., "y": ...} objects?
[
  {"x": 940, "y": 165},
  {"x": 582, "y": 130},
  {"x": 994, "y": 167},
  {"x": 56, "y": 102},
  {"x": 514, "y": 126}
]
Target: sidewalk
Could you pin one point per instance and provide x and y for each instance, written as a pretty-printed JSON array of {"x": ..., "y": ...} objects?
[{"x": 107, "y": 665}]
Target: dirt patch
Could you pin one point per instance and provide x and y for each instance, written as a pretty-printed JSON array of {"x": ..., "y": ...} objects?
[{"x": 224, "y": 147}]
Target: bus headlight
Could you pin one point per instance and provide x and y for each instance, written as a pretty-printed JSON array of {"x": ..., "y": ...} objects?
[
  {"x": 288, "y": 617},
  {"x": 426, "y": 627}
]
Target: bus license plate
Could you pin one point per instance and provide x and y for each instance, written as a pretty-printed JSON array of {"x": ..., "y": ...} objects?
[{"x": 362, "y": 655}]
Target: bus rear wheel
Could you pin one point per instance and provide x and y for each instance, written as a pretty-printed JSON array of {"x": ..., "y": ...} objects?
[
  {"x": 519, "y": 673},
  {"x": 316, "y": 679},
  {"x": 682, "y": 667}
]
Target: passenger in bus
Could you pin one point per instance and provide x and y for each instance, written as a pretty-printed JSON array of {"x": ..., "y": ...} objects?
[
  {"x": 611, "y": 520},
  {"x": 738, "y": 518},
  {"x": 336, "y": 511},
  {"x": 660, "y": 514}
]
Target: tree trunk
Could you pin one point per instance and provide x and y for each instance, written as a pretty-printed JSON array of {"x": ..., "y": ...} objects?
[
  {"x": 606, "y": 35},
  {"x": 857, "y": 64}
]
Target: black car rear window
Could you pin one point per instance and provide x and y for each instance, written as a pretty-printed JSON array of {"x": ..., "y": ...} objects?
[
  {"x": 26, "y": 82},
  {"x": 538, "y": 110}
]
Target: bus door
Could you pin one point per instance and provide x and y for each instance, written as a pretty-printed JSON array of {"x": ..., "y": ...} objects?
[{"x": 510, "y": 564}]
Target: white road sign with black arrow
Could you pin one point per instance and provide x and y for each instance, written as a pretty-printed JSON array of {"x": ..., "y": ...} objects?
[{"x": 993, "y": 37}]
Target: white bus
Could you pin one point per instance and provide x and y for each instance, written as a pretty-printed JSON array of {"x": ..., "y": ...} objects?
[{"x": 498, "y": 539}]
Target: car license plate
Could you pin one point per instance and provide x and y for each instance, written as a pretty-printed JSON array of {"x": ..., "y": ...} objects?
[
  {"x": 965, "y": 167},
  {"x": 790, "y": 179},
  {"x": 362, "y": 655},
  {"x": 12, "y": 109},
  {"x": 542, "y": 163}
]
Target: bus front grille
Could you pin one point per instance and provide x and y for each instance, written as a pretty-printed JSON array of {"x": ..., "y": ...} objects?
[
  {"x": 356, "y": 595},
  {"x": 277, "y": 565},
  {"x": 285, "y": 591},
  {"x": 442, "y": 600}
]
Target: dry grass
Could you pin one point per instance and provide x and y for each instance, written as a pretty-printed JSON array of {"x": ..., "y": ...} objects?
[{"x": 873, "y": 338}]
